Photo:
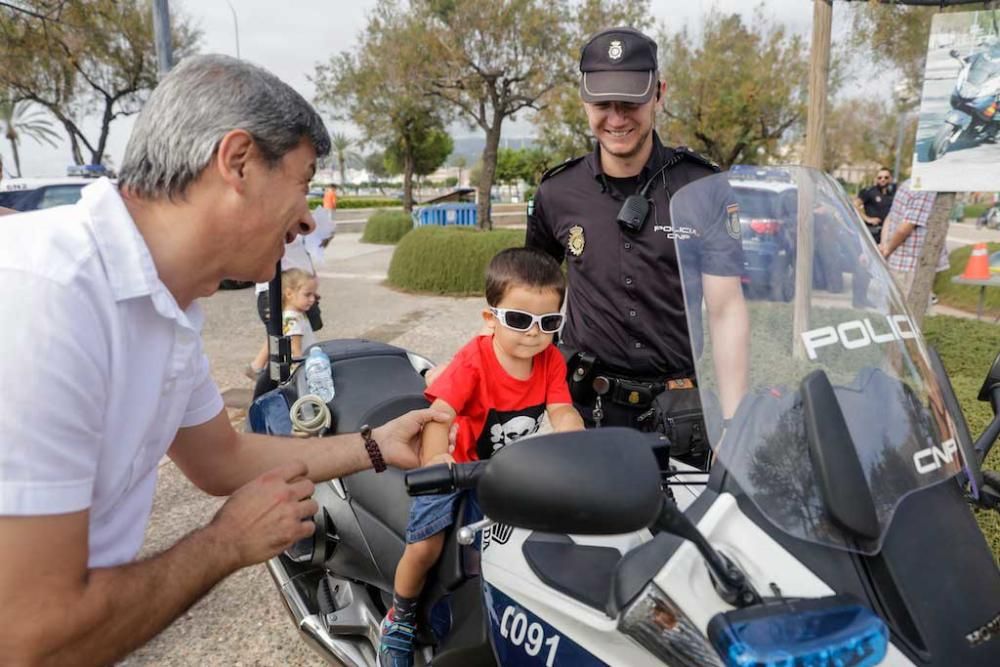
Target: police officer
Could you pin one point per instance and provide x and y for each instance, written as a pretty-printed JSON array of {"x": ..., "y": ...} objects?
[
  {"x": 626, "y": 326},
  {"x": 875, "y": 202}
]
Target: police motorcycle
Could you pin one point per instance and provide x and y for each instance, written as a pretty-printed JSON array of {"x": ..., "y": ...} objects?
[
  {"x": 974, "y": 101},
  {"x": 834, "y": 527}
]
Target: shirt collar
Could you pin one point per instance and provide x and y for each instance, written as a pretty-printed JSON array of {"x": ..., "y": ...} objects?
[
  {"x": 657, "y": 157},
  {"x": 124, "y": 253}
]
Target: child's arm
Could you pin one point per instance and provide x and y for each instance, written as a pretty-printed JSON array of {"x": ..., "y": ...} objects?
[
  {"x": 563, "y": 417},
  {"x": 296, "y": 346},
  {"x": 434, "y": 439}
]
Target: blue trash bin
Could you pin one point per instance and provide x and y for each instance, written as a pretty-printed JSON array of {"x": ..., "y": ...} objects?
[{"x": 460, "y": 214}]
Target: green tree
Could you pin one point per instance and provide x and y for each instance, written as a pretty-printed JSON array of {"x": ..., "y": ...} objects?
[
  {"x": 377, "y": 86},
  {"x": 429, "y": 147},
  {"x": 84, "y": 58},
  {"x": 860, "y": 130},
  {"x": 895, "y": 36},
  {"x": 341, "y": 144},
  {"x": 735, "y": 90},
  {"x": 19, "y": 121},
  {"x": 490, "y": 60},
  {"x": 562, "y": 123}
]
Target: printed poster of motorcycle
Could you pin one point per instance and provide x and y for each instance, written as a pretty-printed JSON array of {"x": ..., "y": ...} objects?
[{"x": 957, "y": 147}]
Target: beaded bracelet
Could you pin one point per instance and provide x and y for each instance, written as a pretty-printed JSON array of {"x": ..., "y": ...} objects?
[{"x": 374, "y": 453}]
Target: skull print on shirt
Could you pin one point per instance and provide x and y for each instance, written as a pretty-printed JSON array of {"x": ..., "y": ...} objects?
[{"x": 503, "y": 428}]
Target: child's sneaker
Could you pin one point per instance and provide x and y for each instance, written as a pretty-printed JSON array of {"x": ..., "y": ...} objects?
[{"x": 396, "y": 642}]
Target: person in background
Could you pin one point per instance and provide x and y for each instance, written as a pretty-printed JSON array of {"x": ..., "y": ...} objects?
[
  {"x": 298, "y": 291},
  {"x": 306, "y": 254},
  {"x": 874, "y": 203},
  {"x": 904, "y": 234}
]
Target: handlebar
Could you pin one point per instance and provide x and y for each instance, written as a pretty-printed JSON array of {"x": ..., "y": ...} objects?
[{"x": 444, "y": 478}]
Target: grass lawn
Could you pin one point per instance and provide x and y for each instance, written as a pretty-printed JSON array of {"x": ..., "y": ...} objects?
[
  {"x": 966, "y": 297},
  {"x": 967, "y": 348}
]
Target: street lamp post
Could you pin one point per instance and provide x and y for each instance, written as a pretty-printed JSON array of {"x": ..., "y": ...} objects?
[{"x": 236, "y": 27}]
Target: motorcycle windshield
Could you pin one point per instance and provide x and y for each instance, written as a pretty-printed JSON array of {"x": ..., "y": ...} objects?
[
  {"x": 782, "y": 278},
  {"x": 984, "y": 67}
]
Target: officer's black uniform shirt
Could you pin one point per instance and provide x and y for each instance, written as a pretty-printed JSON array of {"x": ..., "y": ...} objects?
[
  {"x": 877, "y": 203},
  {"x": 625, "y": 303}
]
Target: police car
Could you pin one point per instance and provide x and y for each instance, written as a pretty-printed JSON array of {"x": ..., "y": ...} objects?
[
  {"x": 767, "y": 218},
  {"x": 31, "y": 194}
]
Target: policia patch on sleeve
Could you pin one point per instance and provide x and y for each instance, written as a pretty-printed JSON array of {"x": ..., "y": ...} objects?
[{"x": 733, "y": 220}]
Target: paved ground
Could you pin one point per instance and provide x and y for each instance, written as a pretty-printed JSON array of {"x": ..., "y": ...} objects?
[{"x": 242, "y": 622}]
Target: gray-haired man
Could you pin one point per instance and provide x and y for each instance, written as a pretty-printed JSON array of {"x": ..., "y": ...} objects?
[{"x": 102, "y": 352}]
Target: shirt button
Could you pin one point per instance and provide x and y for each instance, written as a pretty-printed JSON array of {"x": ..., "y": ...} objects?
[
  {"x": 628, "y": 246},
  {"x": 638, "y": 345},
  {"x": 628, "y": 281},
  {"x": 631, "y": 313}
]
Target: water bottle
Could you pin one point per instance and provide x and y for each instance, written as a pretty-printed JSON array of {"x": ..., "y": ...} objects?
[{"x": 319, "y": 374}]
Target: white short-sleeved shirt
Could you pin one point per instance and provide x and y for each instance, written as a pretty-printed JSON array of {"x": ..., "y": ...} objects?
[
  {"x": 295, "y": 323},
  {"x": 306, "y": 252},
  {"x": 99, "y": 369}
]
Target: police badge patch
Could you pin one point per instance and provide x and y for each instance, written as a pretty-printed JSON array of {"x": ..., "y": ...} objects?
[
  {"x": 733, "y": 220},
  {"x": 576, "y": 240},
  {"x": 615, "y": 50}
]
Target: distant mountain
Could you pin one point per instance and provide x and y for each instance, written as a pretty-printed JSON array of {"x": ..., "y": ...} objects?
[{"x": 472, "y": 147}]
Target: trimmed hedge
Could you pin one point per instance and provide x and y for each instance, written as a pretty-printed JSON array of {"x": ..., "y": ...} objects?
[
  {"x": 368, "y": 202},
  {"x": 966, "y": 297},
  {"x": 387, "y": 227},
  {"x": 448, "y": 260},
  {"x": 358, "y": 202}
]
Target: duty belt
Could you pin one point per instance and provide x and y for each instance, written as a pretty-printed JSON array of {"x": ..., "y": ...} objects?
[{"x": 635, "y": 393}]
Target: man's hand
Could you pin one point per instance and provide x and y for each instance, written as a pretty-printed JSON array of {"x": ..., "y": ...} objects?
[
  {"x": 267, "y": 515},
  {"x": 399, "y": 439}
]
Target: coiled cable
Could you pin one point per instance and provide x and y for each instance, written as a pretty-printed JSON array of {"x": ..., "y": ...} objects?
[{"x": 306, "y": 424}]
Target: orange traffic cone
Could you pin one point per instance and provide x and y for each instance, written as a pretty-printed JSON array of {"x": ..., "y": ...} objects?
[{"x": 978, "y": 267}]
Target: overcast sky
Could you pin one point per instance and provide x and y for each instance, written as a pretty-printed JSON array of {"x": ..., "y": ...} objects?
[{"x": 289, "y": 38}]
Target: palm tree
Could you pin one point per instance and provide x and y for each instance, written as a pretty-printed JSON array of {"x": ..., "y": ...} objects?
[
  {"x": 21, "y": 120},
  {"x": 342, "y": 148}
]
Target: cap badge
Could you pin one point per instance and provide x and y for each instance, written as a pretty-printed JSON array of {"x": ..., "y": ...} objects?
[
  {"x": 615, "y": 50},
  {"x": 576, "y": 240}
]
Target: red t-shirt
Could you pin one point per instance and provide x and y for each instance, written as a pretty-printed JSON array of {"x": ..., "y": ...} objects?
[{"x": 495, "y": 409}]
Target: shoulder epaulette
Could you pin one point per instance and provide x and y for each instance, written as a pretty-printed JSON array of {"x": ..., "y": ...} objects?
[
  {"x": 559, "y": 168},
  {"x": 696, "y": 157}
]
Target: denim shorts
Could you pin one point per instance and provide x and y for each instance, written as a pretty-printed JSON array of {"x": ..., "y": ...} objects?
[{"x": 430, "y": 515}]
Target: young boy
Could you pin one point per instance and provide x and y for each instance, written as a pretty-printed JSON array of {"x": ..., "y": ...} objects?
[{"x": 496, "y": 388}]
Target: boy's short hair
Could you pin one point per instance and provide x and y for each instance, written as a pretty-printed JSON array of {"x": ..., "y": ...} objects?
[{"x": 522, "y": 267}]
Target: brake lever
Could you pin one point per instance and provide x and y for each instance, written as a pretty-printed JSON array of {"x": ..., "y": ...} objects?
[{"x": 467, "y": 534}]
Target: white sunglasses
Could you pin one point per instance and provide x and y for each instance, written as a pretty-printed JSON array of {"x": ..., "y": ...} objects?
[{"x": 518, "y": 320}]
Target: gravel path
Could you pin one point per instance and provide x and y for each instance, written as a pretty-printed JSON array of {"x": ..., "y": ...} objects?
[{"x": 242, "y": 621}]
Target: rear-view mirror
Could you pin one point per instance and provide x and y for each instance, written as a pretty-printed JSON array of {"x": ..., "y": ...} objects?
[{"x": 598, "y": 482}]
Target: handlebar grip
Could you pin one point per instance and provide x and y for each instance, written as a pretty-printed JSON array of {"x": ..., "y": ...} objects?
[
  {"x": 443, "y": 478},
  {"x": 430, "y": 480},
  {"x": 467, "y": 475}
]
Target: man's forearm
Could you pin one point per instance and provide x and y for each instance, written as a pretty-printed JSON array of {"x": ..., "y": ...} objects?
[
  {"x": 326, "y": 458},
  {"x": 119, "y": 609},
  {"x": 898, "y": 237},
  {"x": 731, "y": 347}
]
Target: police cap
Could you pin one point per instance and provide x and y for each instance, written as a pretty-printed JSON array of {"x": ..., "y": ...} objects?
[{"x": 618, "y": 65}]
